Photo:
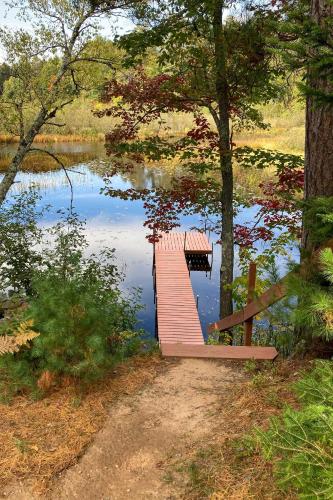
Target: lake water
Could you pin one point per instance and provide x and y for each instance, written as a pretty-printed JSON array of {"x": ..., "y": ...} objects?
[{"x": 119, "y": 224}]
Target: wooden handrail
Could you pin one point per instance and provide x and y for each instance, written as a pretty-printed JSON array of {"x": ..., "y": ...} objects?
[{"x": 267, "y": 299}]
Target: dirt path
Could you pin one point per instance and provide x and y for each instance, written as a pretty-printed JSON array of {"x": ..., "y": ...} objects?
[{"x": 125, "y": 462}]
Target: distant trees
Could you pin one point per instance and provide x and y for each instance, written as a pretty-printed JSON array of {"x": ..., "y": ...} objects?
[{"x": 49, "y": 68}]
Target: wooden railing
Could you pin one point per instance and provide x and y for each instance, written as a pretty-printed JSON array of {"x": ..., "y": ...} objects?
[
  {"x": 253, "y": 307},
  {"x": 257, "y": 305}
]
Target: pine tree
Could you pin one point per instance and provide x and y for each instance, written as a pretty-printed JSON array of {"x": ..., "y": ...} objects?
[{"x": 315, "y": 298}]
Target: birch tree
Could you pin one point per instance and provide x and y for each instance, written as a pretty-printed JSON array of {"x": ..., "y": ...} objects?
[{"x": 49, "y": 66}]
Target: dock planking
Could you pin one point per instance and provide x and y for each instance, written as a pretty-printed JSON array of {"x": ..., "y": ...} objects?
[
  {"x": 191, "y": 242},
  {"x": 177, "y": 314},
  {"x": 179, "y": 328}
]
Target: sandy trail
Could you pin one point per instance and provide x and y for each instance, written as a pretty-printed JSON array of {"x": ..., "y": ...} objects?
[{"x": 125, "y": 461}]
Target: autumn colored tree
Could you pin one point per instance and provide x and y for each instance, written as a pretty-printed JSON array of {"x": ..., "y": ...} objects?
[{"x": 211, "y": 62}]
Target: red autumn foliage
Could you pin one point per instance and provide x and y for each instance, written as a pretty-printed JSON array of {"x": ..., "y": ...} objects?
[
  {"x": 144, "y": 99},
  {"x": 278, "y": 208}
]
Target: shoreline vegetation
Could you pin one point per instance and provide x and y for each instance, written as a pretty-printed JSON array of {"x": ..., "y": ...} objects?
[
  {"x": 50, "y": 138},
  {"x": 284, "y": 133}
]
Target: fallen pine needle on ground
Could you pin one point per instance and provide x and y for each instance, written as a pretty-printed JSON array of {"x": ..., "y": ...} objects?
[
  {"x": 41, "y": 438},
  {"x": 156, "y": 429}
]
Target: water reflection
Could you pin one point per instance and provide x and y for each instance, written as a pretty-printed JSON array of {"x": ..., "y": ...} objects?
[
  {"x": 119, "y": 223},
  {"x": 70, "y": 153}
]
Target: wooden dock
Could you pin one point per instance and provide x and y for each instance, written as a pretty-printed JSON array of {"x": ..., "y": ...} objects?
[
  {"x": 178, "y": 324},
  {"x": 177, "y": 315}
]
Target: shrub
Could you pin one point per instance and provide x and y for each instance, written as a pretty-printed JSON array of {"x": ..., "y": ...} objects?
[
  {"x": 19, "y": 241},
  {"x": 302, "y": 440},
  {"x": 314, "y": 310},
  {"x": 84, "y": 321}
]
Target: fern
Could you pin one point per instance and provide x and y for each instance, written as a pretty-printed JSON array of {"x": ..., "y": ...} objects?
[{"x": 9, "y": 344}]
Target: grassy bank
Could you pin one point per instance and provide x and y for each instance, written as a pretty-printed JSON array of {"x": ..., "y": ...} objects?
[
  {"x": 39, "y": 162},
  {"x": 285, "y": 133},
  {"x": 47, "y": 138}
]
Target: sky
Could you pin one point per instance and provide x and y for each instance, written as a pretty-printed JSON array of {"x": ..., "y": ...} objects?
[{"x": 8, "y": 17}]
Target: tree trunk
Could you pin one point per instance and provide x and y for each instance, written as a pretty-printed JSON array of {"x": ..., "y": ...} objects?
[
  {"x": 227, "y": 235},
  {"x": 22, "y": 150},
  {"x": 319, "y": 129}
]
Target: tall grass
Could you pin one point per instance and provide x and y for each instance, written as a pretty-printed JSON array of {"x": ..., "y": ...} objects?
[
  {"x": 39, "y": 162},
  {"x": 285, "y": 133},
  {"x": 47, "y": 138}
]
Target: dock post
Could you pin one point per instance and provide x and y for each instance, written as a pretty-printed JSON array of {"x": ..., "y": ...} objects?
[
  {"x": 211, "y": 262},
  {"x": 152, "y": 272},
  {"x": 248, "y": 325},
  {"x": 156, "y": 319}
]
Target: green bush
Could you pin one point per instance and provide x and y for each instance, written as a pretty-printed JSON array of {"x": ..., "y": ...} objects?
[
  {"x": 75, "y": 303},
  {"x": 20, "y": 237},
  {"x": 318, "y": 218},
  {"x": 301, "y": 441},
  {"x": 83, "y": 331},
  {"x": 314, "y": 309},
  {"x": 316, "y": 387}
]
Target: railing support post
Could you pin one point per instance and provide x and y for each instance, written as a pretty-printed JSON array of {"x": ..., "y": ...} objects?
[{"x": 248, "y": 325}]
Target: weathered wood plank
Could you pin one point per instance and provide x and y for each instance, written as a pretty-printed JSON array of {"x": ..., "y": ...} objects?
[
  {"x": 196, "y": 243},
  {"x": 218, "y": 352}
]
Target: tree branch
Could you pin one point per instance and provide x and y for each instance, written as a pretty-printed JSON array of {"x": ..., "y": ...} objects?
[{"x": 56, "y": 159}]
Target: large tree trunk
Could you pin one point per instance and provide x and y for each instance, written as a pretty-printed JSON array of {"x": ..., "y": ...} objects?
[
  {"x": 227, "y": 235},
  {"x": 319, "y": 129}
]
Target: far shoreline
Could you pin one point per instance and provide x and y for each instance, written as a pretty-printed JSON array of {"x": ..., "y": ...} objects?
[{"x": 48, "y": 138}]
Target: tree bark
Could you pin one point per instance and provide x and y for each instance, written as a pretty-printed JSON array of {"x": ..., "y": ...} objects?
[
  {"x": 319, "y": 129},
  {"x": 227, "y": 231},
  {"x": 44, "y": 114},
  {"x": 22, "y": 150}
]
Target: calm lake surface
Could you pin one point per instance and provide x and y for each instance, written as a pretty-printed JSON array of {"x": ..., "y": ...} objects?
[{"x": 119, "y": 224}]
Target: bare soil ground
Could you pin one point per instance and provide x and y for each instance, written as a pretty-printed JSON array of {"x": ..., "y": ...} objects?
[{"x": 143, "y": 431}]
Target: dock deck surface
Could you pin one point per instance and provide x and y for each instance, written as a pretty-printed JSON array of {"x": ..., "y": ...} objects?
[
  {"x": 179, "y": 329},
  {"x": 192, "y": 242},
  {"x": 177, "y": 315}
]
